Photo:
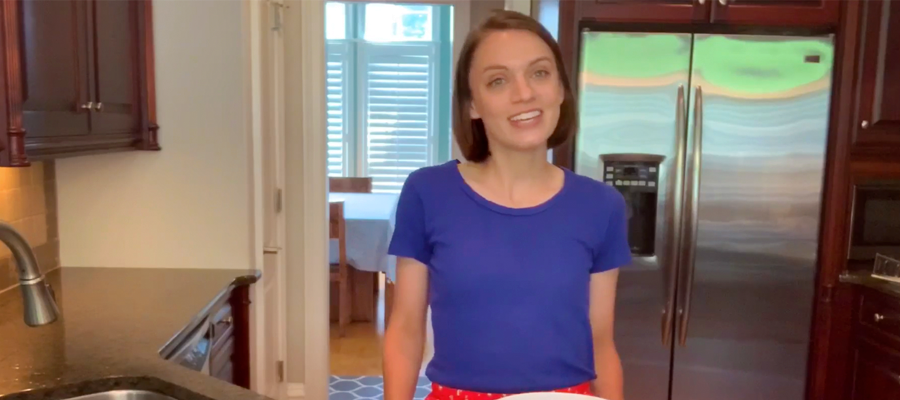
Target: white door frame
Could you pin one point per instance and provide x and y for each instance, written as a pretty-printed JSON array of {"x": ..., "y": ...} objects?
[
  {"x": 306, "y": 199},
  {"x": 264, "y": 107}
]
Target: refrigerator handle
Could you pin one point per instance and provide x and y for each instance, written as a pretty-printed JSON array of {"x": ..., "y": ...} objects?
[
  {"x": 673, "y": 220},
  {"x": 689, "y": 233}
]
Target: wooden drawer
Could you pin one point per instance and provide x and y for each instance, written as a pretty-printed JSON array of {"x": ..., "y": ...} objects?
[
  {"x": 875, "y": 371},
  {"x": 222, "y": 342},
  {"x": 880, "y": 313},
  {"x": 222, "y": 357},
  {"x": 229, "y": 319},
  {"x": 222, "y": 325},
  {"x": 226, "y": 373}
]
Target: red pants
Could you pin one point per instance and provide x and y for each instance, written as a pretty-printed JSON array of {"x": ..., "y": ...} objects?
[{"x": 439, "y": 392}]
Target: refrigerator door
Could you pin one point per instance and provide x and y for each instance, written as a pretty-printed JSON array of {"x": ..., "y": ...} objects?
[
  {"x": 751, "y": 219},
  {"x": 633, "y": 99}
]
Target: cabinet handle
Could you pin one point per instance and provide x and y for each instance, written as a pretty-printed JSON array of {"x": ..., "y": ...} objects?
[
  {"x": 723, "y": 2},
  {"x": 87, "y": 106},
  {"x": 864, "y": 124},
  {"x": 878, "y": 317},
  {"x": 98, "y": 106},
  {"x": 701, "y": 2}
]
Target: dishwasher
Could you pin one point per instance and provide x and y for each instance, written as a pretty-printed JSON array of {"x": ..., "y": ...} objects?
[{"x": 194, "y": 350}]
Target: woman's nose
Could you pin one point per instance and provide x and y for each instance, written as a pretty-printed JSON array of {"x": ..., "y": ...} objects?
[{"x": 522, "y": 90}]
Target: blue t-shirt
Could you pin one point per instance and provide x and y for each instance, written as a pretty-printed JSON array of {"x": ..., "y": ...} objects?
[{"x": 509, "y": 287}]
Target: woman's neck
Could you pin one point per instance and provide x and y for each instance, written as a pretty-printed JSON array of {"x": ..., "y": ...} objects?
[
  {"x": 515, "y": 179},
  {"x": 509, "y": 169}
]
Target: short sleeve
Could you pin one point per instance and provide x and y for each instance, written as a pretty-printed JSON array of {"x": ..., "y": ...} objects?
[
  {"x": 614, "y": 251},
  {"x": 409, "y": 238}
]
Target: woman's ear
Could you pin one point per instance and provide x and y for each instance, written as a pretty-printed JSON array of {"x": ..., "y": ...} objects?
[{"x": 473, "y": 113}]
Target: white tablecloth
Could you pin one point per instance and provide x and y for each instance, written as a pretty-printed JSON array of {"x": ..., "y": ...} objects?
[{"x": 370, "y": 224}]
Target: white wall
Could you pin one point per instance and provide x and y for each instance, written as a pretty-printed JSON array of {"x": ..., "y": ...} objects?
[{"x": 187, "y": 206}]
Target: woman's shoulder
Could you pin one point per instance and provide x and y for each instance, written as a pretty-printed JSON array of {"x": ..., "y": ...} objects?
[
  {"x": 430, "y": 184},
  {"x": 427, "y": 189},
  {"x": 431, "y": 178}
]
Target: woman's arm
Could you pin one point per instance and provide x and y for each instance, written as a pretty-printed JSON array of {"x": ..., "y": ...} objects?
[
  {"x": 404, "y": 339},
  {"x": 608, "y": 384}
]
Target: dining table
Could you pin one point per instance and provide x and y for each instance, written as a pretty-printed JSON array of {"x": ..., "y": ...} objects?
[{"x": 369, "y": 224}]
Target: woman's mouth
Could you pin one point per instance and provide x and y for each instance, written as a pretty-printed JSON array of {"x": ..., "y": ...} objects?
[{"x": 526, "y": 119}]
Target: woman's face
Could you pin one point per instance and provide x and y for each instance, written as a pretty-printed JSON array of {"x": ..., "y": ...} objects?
[{"x": 516, "y": 90}]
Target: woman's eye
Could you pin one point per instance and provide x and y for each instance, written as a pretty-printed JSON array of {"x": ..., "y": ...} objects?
[
  {"x": 496, "y": 82},
  {"x": 542, "y": 73}
]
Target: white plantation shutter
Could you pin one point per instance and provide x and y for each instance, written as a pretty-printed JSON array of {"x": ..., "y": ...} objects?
[
  {"x": 400, "y": 111},
  {"x": 339, "y": 96},
  {"x": 387, "y": 107}
]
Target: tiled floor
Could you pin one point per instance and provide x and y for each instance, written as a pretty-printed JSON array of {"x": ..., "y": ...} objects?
[{"x": 367, "y": 388}]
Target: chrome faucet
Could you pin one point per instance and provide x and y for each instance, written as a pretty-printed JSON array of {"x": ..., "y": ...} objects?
[{"x": 40, "y": 305}]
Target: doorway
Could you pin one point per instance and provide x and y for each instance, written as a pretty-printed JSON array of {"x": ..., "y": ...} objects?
[
  {"x": 388, "y": 72},
  {"x": 306, "y": 188}
]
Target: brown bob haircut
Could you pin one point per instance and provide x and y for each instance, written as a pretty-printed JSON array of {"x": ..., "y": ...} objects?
[{"x": 470, "y": 134}]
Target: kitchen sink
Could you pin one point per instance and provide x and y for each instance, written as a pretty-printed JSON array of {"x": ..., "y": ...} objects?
[{"x": 124, "y": 395}]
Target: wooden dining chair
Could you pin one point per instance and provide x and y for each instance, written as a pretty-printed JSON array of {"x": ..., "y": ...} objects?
[
  {"x": 354, "y": 185},
  {"x": 340, "y": 271},
  {"x": 350, "y": 185}
]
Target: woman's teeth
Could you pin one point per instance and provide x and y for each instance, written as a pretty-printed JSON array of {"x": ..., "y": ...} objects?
[{"x": 526, "y": 116}]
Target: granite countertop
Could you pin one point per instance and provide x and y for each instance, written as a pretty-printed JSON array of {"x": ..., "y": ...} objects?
[
  {"x": 113, "y": 323},
  {"x": 866, "y": 279}
]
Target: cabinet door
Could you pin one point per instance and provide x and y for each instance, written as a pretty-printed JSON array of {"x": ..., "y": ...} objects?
[
  {"x": 878, "y": 112},
  {"x": 115, "y": 62},
  {"x": 55, "y": 72},
  {"x": 875, "y": 371},
  {"x": 812, "y": 13},
  {"x": 660, "y": 11}
]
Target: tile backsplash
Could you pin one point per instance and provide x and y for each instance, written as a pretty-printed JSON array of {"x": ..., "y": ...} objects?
[{"x": 28, "y": 203}]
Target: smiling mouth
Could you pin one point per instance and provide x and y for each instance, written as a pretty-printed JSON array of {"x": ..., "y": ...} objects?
[{"x": 526, "y": 116}]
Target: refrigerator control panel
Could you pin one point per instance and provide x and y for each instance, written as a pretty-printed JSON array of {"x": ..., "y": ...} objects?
[{"x": 635, "y": 175}]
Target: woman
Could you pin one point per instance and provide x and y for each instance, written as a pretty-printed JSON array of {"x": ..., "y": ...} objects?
[{"x": 517, "y": 257}]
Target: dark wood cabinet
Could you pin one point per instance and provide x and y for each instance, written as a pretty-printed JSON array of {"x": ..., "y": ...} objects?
[
  {"x": 229, "y": 359},
  {"x": 874, "y": 362},
  {"x": 217, "y": 343},
  {"x": 775, "y": 13},
  {"x": 851, "y": 358},
  {"x": 115, "y": 56},
  {"x": 78, "y": 78},
  {"x": 55, "y": 82},
  {"x": 877, "y": 114},
  {"x": 875, "y": 371},
  {"x": 664, "y": 11},
  {"x": 811, "y": 13}
]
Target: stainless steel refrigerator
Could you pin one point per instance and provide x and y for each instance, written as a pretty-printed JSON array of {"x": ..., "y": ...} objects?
[{"x": 718, "y": 144}]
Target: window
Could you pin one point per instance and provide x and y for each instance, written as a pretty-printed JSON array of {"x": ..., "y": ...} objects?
[{"x": 388, "y": 89}]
